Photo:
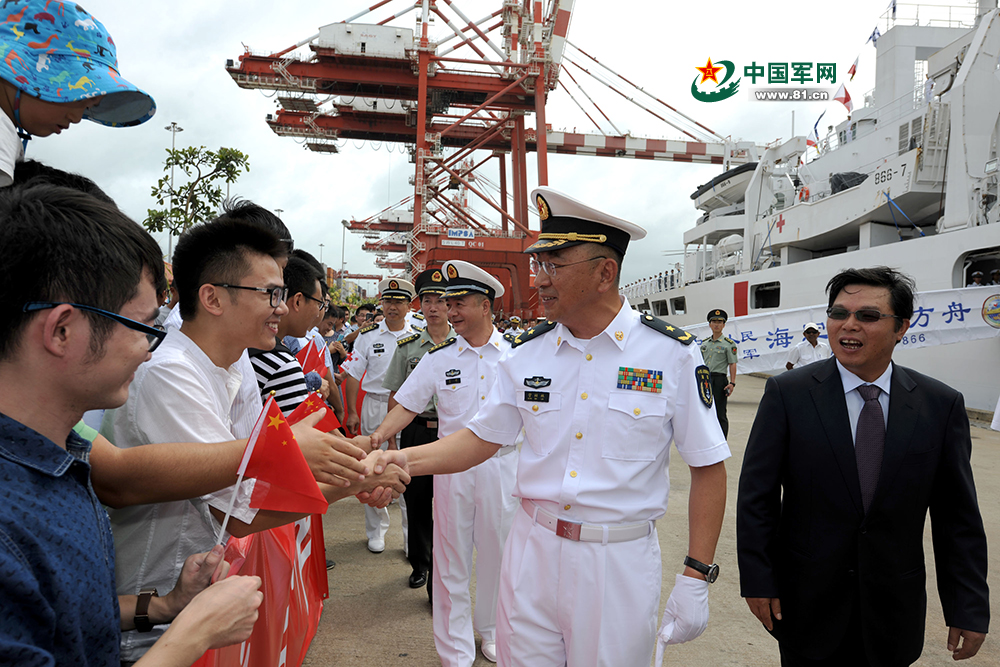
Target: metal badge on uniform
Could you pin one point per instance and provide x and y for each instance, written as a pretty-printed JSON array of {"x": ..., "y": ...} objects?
[
  {"x": 704, "y": 379},
  {"x": 413, "y": 362},
  {"x": 536, "y": 396},
  {"x": 537, "y": 382},
  {"x": 378, "y": 348},
  {"x": 640, "y": 379},
  {"x": 452, "y": 376}
]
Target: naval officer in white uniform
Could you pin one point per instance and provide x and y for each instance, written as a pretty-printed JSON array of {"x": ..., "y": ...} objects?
[
  {"x": 474, "y": 507},
  {"x": 373, "y": 349},
  {"x": 600, "y": 391}
]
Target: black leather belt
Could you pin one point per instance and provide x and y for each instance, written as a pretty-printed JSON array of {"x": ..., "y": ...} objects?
[{"x": 425, "y": 422}]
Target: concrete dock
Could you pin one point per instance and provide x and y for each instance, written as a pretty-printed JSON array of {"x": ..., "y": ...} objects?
[{"x": 373, "y": 618}]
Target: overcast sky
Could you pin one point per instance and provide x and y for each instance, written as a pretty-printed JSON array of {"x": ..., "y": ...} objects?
[{"x": 177, "y": 50}]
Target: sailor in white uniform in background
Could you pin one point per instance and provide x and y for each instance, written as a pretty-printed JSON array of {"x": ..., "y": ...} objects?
[
  {"x": 474, "y": 507},
  {"x": 373, "y": 350},
  {"x": 601, "y": 392}
]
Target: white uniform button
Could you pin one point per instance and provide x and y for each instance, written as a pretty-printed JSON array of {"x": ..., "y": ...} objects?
[
  {"x": 579, "y": 435},
  {"x": 482, "y": 377},
  {"x": 572, "y": 473},
  {"x": 480, "y": 356},
  {"x": 637, "y": 411},
  {"x": 589, "y": 357},
  {"x": 583, "y": 395},
  {"x": 483, "y": 397},
  {"x": 566, "y": 507},
  {"x": 534, "y": 408}
]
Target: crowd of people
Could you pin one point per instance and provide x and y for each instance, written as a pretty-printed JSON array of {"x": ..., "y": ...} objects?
[
  {"x": 549, "y": 445},
  {"x": 664, "y": 280}
]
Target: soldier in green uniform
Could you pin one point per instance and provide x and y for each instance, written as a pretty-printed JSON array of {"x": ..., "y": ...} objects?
[
  {"x": 719, "y": 353},
  {"x": 430, "y": 286}
]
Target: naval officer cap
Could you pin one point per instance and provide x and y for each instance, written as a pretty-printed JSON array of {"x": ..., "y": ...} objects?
[
  {"x": 718, "y": 314},
  {"x": 567, "y": 222},
  {"x": 465, "y": 278},
  {"x": 431, "y": 281},
  {"x": 976, "y": 274},
  {"x": 515, "y": 319},
  {"x": 395, "y": 288}
]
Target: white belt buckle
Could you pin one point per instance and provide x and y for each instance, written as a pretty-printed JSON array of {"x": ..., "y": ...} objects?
[{"x": 569, "y": 530}]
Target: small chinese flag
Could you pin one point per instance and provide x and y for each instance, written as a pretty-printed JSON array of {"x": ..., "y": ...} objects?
[
  {"x": 272, "y": 457},
  {"x": 854, "y": 67},
  {"x": 313, "y": 403},
  {"x": 321, "y": 359}
]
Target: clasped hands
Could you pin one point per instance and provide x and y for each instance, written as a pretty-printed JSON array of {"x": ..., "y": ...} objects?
[{"x": 349, "y": 463}]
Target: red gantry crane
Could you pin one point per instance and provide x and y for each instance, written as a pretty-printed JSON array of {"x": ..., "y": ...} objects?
[{"x": 457, "y": 102}]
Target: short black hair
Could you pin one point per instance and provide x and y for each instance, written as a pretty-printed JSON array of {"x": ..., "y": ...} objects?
[
  {"x": 60, "y": 244},
  {"x": 33, "y": 172},
  {"x": 299, "y": 277},
  {"x": 244, "y": 209},
  {"x": 365, "y": 306},
  {"x": 218, "y": 252},
  {"x": 901, "y": 287}
]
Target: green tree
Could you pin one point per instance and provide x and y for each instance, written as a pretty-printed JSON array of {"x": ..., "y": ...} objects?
[{"x": 196, "y": 195}]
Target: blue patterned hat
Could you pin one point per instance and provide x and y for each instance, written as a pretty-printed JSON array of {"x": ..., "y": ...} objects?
[{"x": 57, "y": 52}]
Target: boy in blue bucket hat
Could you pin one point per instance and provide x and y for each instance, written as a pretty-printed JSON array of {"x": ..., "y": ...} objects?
[{"x": 60, "y": 65}]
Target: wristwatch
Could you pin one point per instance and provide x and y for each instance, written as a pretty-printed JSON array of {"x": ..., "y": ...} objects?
[
  {"x": 711, "y": 572},
  {"x": 141, "y": 619}
]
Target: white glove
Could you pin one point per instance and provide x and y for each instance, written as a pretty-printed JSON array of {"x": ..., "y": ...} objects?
[{"x": 685, "y": 616}]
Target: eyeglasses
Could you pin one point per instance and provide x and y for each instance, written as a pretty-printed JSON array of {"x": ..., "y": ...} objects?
[
  {"x": 322, "y": 304},
  {"x": 550, "y": 268},
  {"x": 277, "y": 294},
  {"x": 865, "y": 315},
  {"x": 154, "y": 334}
]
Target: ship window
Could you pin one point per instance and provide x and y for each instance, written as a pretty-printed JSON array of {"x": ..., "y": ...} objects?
[
  {"x": 362, "y": 47},
  {"x": 660, "y": 307},
  {"x": 678, "y": 305},
  {"x": 766, "y": 295},
  {"x": 904, "y": 137},
  {"x": 985, "y": 260}
]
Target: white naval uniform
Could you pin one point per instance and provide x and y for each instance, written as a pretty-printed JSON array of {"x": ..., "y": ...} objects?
[
  {"x": 372, "y": 353},
  {"x": 471, "y": 508},
  {"x": 596, "y": 452}
]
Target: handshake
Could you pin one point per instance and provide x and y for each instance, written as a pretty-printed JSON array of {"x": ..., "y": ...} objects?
[{"x": 353, "y": 466}]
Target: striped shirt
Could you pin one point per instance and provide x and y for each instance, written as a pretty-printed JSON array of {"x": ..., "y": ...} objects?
[{"x": 279, "y": 371}]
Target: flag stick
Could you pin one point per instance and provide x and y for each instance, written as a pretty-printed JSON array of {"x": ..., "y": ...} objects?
[{"x": 243, "y": 466}]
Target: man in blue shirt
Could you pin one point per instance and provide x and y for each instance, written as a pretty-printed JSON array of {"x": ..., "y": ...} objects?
[{"x": 77, "y": 305}]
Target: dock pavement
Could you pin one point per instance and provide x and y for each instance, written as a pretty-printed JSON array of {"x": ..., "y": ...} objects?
[{"x": 373, "y": 618}]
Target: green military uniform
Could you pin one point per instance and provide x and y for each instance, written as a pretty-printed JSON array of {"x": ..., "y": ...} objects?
[{"x": 718, "y": 355}]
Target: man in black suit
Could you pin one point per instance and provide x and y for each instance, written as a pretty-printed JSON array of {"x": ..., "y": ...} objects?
[{"x": 844, "y": 460}]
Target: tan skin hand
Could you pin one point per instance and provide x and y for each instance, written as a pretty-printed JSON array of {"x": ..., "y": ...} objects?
[
  {"x": 333, "y": 460},
  {"x": 226, "y": 610},
  {"x": 764, "y": 608},
  {"x": 971, "y": 642}
]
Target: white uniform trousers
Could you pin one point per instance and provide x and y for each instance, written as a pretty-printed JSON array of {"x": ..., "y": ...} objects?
[
  {"x": 581, "y": 604},
  {"x": 471, "y": 508},
  {"x": 373, "y": 411}
]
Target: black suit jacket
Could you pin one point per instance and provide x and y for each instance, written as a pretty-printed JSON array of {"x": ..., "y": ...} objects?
[{"x": 803, "y": 535}]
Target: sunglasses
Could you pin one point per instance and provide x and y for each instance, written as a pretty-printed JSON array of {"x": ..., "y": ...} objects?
[{"x": 865, "y": 315}]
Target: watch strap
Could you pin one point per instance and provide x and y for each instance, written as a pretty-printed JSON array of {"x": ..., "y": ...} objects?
[
  {"x": 711, "y": 572},
  {"x": 141, "y": 618}
]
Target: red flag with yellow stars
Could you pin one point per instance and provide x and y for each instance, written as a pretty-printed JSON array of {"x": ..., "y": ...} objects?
[
  {"x": 284, "y": 481},
  {"x": 313, "y": 403}
]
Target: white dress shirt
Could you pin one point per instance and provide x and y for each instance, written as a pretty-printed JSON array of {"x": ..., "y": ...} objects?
[
  {"x": 804, "y": 353},
  {"x": 595, "y": 451},
  {"x": 247, "y": 405},
  {"x": 11, "y": 150},
  {"x": 373, "y": 351},
  {"x": 854, "y": 399},
  {"x": 179, "y": 395},
  {"x": 459, "y": 375}
]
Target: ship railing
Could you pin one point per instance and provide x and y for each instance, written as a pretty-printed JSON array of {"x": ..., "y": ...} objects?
[{"x": 939, "y": 15}]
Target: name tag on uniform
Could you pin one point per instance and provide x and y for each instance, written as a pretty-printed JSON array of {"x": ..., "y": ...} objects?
[
  {"x": 536, "y": 396},
  {"x": 640, "y": 379},
  {"x": 378, "y": 348},
  {"x": 453, "y": 381}
]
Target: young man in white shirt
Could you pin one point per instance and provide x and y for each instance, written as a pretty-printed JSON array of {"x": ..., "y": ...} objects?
[{"x": 809, "y": 350}]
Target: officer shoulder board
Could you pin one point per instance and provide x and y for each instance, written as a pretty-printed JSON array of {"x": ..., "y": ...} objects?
[
  {"x": 676, "y": 333},
  {"x": 731, "y": 342},
  {"x": 533, "y": 332},
  {"x": 407, "y": 339},
  {"x": 509, "y": 337},
  {"x": 370, "y": 327},
  {"x": 442, "y": 345},
  {"x": 418, "y": 316}
]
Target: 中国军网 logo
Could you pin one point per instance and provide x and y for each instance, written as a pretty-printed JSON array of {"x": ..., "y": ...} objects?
[{"x": 723, "y": 89}]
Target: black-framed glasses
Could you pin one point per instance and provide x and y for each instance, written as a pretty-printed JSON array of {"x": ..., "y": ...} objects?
[
  {"x": 154, "y": 334},
  {"x": 276, "y": 294},
  {"x": 550, "y": 268},
  {"x": 322, "y": 304},
  {"x": 865, "y": 315}
]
